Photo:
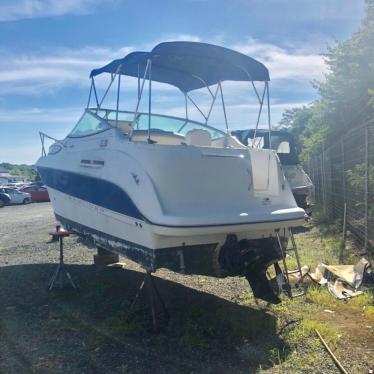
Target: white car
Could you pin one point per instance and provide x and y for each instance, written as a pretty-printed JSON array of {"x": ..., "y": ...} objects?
[{"x": 17, "y": 197}]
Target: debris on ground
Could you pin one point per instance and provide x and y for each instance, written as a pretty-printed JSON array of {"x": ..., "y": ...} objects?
[
  {"x": 338, "y": 290},
  {"x": 343, "y": 281},
  {"x": 328, "y": 311},
  {"x": 337, "y": 362},
  {"x": 353, "y": 275},
  {"x": 295, "y": 278}
]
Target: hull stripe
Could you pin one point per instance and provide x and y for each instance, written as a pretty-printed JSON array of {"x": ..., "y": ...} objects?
[
  {"x": 110, "y": 196},
  {"x": 96, "y": 191}
]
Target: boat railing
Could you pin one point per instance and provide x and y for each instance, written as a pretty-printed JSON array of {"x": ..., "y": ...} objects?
[{"x": 42, "y": 139}]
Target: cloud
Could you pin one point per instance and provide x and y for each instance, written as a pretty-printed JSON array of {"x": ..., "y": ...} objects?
[
  {"x": 172, "y": 37},
  {"x": 284, "y": 63},
  {"x": 40, "y": 116},
  {"x": 30, "y": 153},
  {"x": 23, "y": 126},
  {"x": 15, "y": 10},
  {"x": 40, "y": 73},
  {"x": 307, "y": 10}
]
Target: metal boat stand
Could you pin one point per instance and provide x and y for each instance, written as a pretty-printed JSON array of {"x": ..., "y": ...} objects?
[
  {"x": 60, "y": 275},
  {"x": 155, "y": 300},
  {"x": 283, "y": 278}
]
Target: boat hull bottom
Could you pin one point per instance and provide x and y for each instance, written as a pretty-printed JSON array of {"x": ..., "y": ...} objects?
[{"x": 234, "y": 258}]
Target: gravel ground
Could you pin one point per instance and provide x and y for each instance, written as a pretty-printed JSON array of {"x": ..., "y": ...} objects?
[
  {"x": 24, "y": 237},
  {"x": 215, "y": 324}
]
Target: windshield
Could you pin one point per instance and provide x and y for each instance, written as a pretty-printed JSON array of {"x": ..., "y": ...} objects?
[
  {"x": 158, "y": 121},
  {"x": 173, "y": 124},
  {"x": 88, "y": 124}
]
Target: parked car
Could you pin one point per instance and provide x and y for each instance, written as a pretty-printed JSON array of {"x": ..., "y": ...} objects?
[
  {"x": 37, "y": 183},
  {"x": 17, "y": 197},
  {"x": 4, "y": 199},
  {"x": 38, "y": 193},
  {"x": 16, "y": 185}
]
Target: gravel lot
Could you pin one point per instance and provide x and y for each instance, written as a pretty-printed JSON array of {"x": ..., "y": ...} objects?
[
  {"x": 215, "y": 324},
  {"x": 24, "y": 237}
]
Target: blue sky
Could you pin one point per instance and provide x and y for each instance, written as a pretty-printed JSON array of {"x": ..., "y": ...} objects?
[{"x": 48, "y": 48}]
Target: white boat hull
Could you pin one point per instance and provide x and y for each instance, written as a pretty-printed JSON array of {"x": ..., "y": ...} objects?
[{"x": 171, "y": 206}]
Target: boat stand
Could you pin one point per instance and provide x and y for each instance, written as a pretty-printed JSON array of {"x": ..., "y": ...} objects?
[
  {"x": 60, "y": 275},
  {"x": 155, "y": 300},
  {"x": 282, "y": 277}
]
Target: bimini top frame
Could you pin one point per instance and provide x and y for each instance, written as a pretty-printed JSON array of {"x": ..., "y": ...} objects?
[{"x": 187, "y": 66}]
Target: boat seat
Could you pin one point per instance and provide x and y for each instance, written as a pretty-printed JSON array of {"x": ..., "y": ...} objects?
[
  {"x": 159, "y": 136},
  {"x": 125, "y": 126},
  {"x": 199, "y": 138}
]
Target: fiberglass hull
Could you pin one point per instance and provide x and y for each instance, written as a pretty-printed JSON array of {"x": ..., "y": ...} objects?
[{"x": 149, "y": 201}]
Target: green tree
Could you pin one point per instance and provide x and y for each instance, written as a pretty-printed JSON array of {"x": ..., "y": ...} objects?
[{"x": 346, "y": 95}]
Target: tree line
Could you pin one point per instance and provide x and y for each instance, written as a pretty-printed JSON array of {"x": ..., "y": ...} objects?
[
  {"x": 346, "y": 95},
  {"x": 26, "y": 171}
]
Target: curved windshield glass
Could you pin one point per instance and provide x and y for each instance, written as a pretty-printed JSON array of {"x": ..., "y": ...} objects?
[
  {"x": 89, "y": 124},
  {"x": 173, "y": 124},
  {"x": 125, "y": 120}
]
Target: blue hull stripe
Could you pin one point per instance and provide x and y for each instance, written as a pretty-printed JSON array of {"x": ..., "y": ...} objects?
[
  {"x": 110, "y": 196},
  {"x": 96, "y": 191}
]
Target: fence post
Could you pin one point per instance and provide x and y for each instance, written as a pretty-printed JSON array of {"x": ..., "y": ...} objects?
[
  {"x": 323, "y": 184},
  {"x": 343, "y": 173},
  {"x": 342, "y": 244},
  {"x": 342, "y": 247},
  {"x": 343, "y": 169},
  {"x": 366, "y": 186}
]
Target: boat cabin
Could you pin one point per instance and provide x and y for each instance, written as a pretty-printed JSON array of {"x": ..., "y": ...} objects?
[
  {"x": 281, "y": 141},
  {"x": 188, "y": 67}
]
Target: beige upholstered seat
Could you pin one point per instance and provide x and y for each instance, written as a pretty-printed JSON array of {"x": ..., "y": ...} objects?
[
  {"x": 199, "y": 138},
  {"x": 158, "y": 136},
  {"x": 125, "y": 126}
]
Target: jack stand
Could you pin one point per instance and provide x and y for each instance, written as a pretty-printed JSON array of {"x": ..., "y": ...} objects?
[
  {"x": 154, "y": 297},
  {"x": 60, "y": 274}
]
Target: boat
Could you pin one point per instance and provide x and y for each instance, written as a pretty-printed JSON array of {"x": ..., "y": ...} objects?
[
  {"x": 283, "y": 143},
  {"x": 173, "y": 192}
]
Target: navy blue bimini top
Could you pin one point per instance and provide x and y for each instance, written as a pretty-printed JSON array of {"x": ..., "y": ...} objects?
[{"x": 189, "y": 65}]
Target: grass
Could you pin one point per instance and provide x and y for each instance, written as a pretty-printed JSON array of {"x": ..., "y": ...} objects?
[
  {"x": 300, "y": 317},
  {"x": 321, "y": 297},
  {"x": 369, "y": 311}
]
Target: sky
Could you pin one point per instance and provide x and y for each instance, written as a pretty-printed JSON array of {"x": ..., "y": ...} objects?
[{"x": 48, "y": 48}]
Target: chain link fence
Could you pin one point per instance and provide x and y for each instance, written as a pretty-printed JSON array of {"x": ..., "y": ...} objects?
[{"x": 343, "y": 176}]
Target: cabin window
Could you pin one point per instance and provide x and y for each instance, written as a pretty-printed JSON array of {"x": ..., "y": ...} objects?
[{"x": 89, "y": 124}]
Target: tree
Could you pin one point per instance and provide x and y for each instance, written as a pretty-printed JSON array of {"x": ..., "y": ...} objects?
[{"x": 346, "y": 95}]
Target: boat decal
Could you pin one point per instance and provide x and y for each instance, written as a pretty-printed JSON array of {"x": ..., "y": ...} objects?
[{"x": 93, "y": 190}]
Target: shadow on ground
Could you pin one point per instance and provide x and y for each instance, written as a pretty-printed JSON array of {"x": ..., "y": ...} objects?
[
  {"x": 301, "y": 229},
  {"x": 87, "y": 332}
]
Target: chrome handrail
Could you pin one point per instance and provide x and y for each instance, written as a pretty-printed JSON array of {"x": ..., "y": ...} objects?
[{"x": 42, "y": 136}]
